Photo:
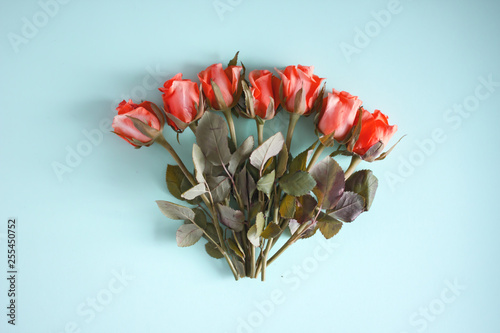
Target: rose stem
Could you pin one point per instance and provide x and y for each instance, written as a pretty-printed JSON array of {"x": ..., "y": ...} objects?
[
  {"x": 294, "y": 117},
  {"x": 289, "y": 242},
  {"x": 230, "y": 124},
  {"x": 354, "y": 163},
  {"x": 161, "y": 140},
  {"x": 268, "y": 246},
  {"x": 260, "y": 131},
  {"x": 315, "y": 156}
]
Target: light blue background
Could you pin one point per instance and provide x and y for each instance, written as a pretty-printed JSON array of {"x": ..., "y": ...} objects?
[{"x": 435, "y": 225}]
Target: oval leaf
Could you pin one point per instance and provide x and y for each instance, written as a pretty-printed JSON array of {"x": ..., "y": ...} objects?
[
  {"x": 364, "y": 183},
  {"x": 349, "y": 207},
  {"x": 271, "y": 147},
  {"x": 297, "y": 184},
  {"x": 174, "y": 211},
  {"x": 330, "y": 181},
  {"x": 231, "y": 218},
  {"x": 188, "y": 234},
  {"x": 211, "y": 136}
]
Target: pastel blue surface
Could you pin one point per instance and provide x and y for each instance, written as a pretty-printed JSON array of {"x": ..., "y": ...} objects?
[{"x": 96, "y": 255}]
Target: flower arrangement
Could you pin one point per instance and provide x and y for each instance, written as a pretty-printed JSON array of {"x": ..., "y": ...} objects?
[{"x": 243, "y": 197}]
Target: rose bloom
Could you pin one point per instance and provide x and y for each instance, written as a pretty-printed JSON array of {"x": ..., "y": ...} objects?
[
  {"x": 180, "y": 99},
  {"x": 293, "y": 79},
  {"x": 228, "y": 81},
  {"x": 375, "y": 128},
  {"x": 338, "y": 114},
  {"x": 124, "y": 127},
  {"x": 264, "y": 86}
]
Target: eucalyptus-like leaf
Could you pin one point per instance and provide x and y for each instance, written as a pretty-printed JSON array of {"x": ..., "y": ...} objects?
[
  {"x": 287, "y": 207},
  {"x": 175, "y": 211},
  {"x": 211, "y": 136},
  {"x": 199, "y": 163},
  {"x": 272, "y": 230},
  {"x": 329, "y": 177},
  {"x": 297, "y": 184},
  {"x": 266, "y": 183},
  {"x": 271, "y": 147},
  {"x": 364, "y": 183},
  {"x": 194, "y": 192},
  {"x": 213, "y": 251},
  {"x": 329, "y": 229},
  {"x": 231, "y": 218},
  {"x": 188, "y": 234},
  {"x": 241, "y": 154}
]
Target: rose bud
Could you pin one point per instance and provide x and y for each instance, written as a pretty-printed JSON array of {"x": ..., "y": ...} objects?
[
  {"x": 300, "y": 89},
  {"x": 338, "y": 114},
  {"x": 222, "y": 87},
  {"x": 182, "y": 101},
  {"x": 375, "y": 133},
  {"x": 262, "y": 98},
  {"x": 138, "y": 124}
]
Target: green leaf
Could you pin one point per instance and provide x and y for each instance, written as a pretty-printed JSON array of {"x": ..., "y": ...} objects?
[
  {"x": 211, "y": 136},
  {"x": 199, "y": 163},
  {"x": 200, "y": 219},
  {"x": 271, "y": 147},
  {"x": 194, "y": 192},
  {"x": 241, "y": 154},
  {"x": 364, "y": 183},
  {"x": 212, "y": 232},
  {"x": 349, "y": 207},
  {"x": 255, "y": 230},
  {"x": 266, "y": 183},
  {"x": 174, "y": 177},
  {"x": 188, "y": 234},
  {"x": 231, "y": 218},
  {"x": 287, "y": 207},
  {"x": 329, "y": 177},
  {"x": 213, "y": 251},
  {"x": 272, "y": 230},
  {"x": 174, "y": 211},
  {"x": 255, "y": 209},
  {"x": 299, "y": 162},
  {"x": 237, "y": 250},
  {"x": 282, "y": 162},
  {"x": 329, "y": 229},
  {"x": 297, "y": 184}
]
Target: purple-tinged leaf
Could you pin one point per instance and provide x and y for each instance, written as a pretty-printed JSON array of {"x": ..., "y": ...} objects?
[
  {"x": 231, "y": 218},
  {"x": 349, "y": 207},
  {"x": 330, "y": 181},
  {"x": 188, "y": 234}
]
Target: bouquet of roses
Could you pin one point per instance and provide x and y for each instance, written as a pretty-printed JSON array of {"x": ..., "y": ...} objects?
[{"x": 241, "y": 198}]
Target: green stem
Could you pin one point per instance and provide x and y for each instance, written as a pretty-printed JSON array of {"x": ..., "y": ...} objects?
[
  {"x": 294, "y": 117},
  {"x": 289, "y": 242},
  {"x": 260, "y": 131},
  {"x": 161, "y": 140},
  {"x": 316, "y": 155},
  {"x": 230, "y": 124},
  {"x": 354, "y": 163}
]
